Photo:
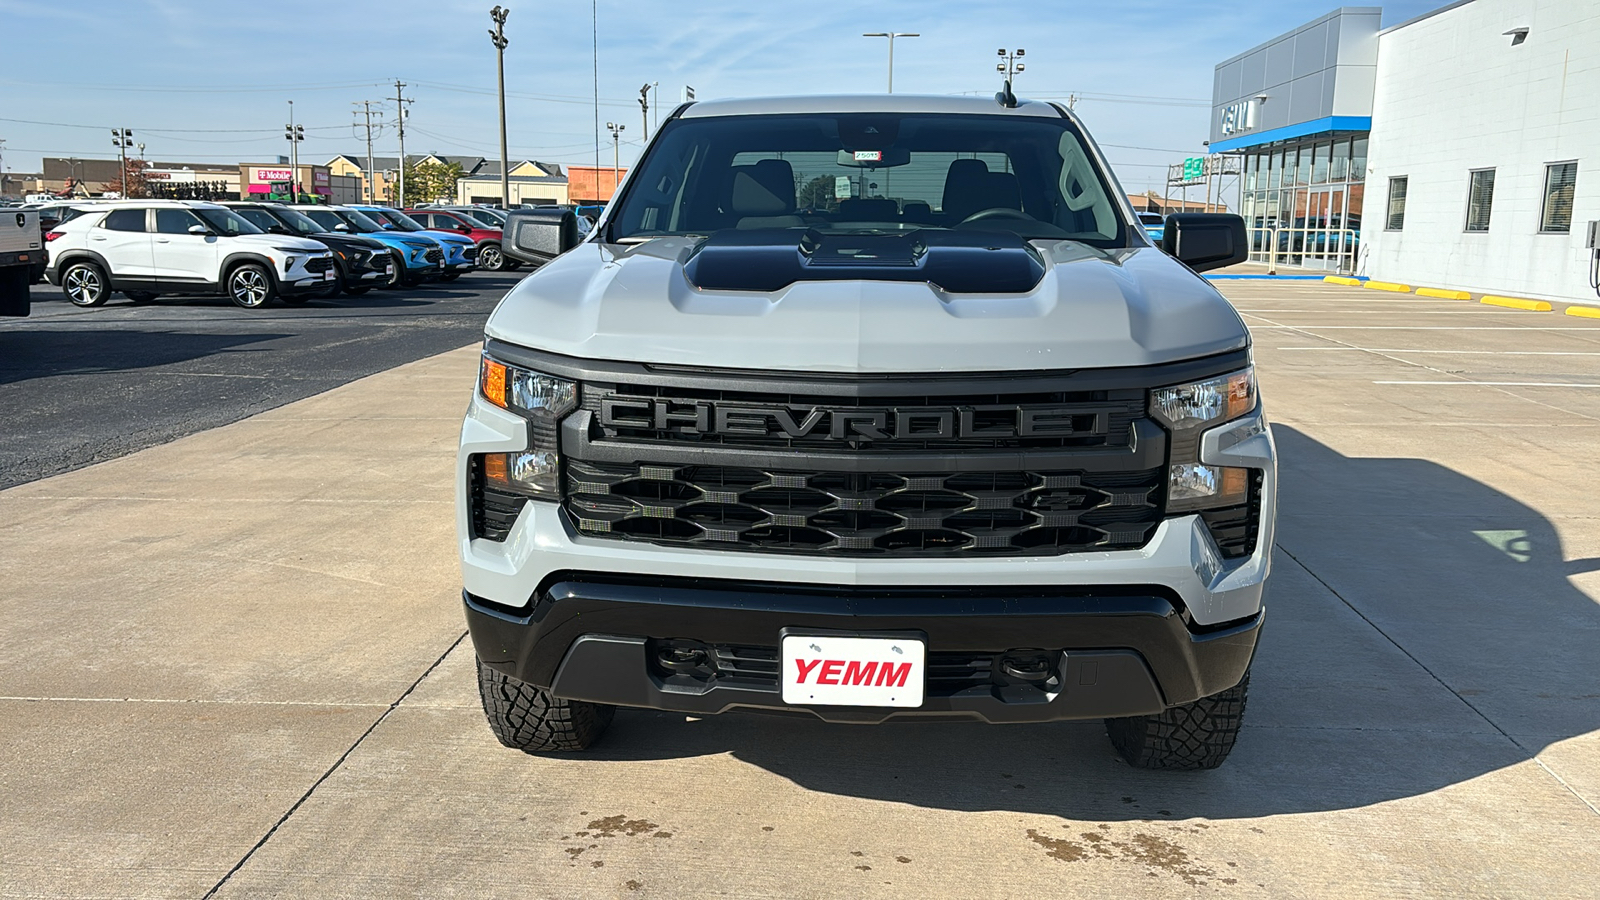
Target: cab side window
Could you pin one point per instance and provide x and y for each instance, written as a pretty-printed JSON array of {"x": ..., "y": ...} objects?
[
  {"x": 124, "y": 220},
  {"x": 259, "y": 218}
]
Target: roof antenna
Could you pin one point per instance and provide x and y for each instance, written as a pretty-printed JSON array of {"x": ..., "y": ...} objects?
[{"x": 1010, "y": 68}]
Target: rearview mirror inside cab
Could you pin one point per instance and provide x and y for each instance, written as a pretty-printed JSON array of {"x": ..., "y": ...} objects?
[
  {"x": 536, "y": 236},
  {"x": 1205, "y": 241}
]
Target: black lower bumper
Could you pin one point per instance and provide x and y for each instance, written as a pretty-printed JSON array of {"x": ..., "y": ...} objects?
[{"x": 1113, "y": 651}]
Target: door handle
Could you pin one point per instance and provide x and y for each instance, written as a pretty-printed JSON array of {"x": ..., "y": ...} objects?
[
  {"x": 163, "y": 240},
  {"x": 96, "y": 238}
]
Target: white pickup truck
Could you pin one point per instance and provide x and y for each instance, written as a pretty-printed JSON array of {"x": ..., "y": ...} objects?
[{"x": 21, "y": 251}]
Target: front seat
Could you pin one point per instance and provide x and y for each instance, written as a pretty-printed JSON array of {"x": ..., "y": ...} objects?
[
  {"x": 966, "y": 189},
  {"x": 763, "y": 195}
]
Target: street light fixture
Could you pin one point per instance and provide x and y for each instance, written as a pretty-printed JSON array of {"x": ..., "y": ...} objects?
[
  {"x": 616, "y": 140},
  {"x": 122, "y": 139},
  {"x": 891, "y": 35},
  {"x": 1010, "y": 68},
  {"x": 295, "y": 134},
  {"x": 497, "y": 34}
]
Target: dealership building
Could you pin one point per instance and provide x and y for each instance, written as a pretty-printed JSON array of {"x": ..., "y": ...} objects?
[{"x": 1458, "y": 149}]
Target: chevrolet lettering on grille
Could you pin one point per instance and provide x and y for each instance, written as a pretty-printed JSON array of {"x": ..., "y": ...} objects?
[{"x": 855, "y": 424}]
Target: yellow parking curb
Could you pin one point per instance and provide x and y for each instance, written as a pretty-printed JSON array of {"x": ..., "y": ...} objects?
[
  {"x": 1587, "y": 312},
  {"x": 1389, "y": 286},
  {"x": 1340, "y": 279},
  {"x": 1516, "y": 303},
  {"x": 1443, "y": 294}
]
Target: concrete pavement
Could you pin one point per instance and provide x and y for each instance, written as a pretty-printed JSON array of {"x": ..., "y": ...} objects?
[{"x": 232, "y": 665}]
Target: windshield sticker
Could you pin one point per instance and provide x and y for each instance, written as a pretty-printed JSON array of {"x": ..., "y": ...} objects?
[
  {"x": 841, "y": 187},
  {"x": 869, "y": 156}
]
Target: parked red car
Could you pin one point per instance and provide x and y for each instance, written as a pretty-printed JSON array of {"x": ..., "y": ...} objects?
[{"x": 487, "y": 239}]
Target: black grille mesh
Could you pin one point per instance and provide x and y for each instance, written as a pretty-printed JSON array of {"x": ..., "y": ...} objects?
[
  {"x": 949, "y": 672},
  {"x": 319, "y": 264},
  {"x": 433, "y": 255},
  {"x": 727, "y": 507}
]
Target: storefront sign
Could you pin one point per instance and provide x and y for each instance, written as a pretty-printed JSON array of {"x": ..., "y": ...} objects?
[
  {"x": 1239, "y": 117},
  {"x": 260, "y": 175}
]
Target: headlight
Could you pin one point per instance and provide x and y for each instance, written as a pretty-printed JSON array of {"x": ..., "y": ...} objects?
[
  {"x": 543, "y": 399},
  {"x": 1187, "y": 406},
  {"x": 1189, "y": 410}
]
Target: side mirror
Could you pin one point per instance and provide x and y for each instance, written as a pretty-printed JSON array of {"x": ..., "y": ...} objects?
[
  {"x": 536, "y": 236},
  {"x": 199, "y": 229},
  {"x": 342, "y": 227},
  {"x": 1205, "y": 241},
  {"x": 278, "y": 229}
]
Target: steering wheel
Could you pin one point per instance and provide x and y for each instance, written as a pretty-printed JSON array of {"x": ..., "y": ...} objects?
[{"x": 998, "y": 212}]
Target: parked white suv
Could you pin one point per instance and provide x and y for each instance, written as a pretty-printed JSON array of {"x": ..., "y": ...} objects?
[{"x": 148, "y": 247}]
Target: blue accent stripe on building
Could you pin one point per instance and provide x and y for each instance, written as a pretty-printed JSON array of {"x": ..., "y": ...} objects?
[{"x": 1315, "y": 126}]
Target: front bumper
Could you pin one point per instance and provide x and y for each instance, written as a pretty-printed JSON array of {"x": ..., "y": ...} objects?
[{"x": 1124, "y": 652}]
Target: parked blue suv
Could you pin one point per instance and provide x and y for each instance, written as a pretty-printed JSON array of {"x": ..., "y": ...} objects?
[
  {"x": 420, "y": 257},
  {"x": 460, "y": 251}
]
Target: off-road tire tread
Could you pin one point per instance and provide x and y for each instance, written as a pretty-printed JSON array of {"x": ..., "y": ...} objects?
[
  {"x": 1197, "y": 735},
  {"x": 528, "y": 718}
]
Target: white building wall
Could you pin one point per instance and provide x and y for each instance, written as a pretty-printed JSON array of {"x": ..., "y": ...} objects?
[{"x": 1454, "y": 95}]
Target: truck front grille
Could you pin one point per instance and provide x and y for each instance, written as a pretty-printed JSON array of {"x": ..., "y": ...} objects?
[
  {"x": 949, "y": 672},
  {"x": 878, "y": 513}
]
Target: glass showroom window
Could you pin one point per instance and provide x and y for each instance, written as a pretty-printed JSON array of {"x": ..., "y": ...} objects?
[
  {"x": 1480, "y": 196},
  {"x": 1397, "y": 204},
  {"x": 1560, "y": 182}
]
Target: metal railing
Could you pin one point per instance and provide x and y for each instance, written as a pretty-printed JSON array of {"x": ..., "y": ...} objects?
[{"x": 1329, "y": 249}]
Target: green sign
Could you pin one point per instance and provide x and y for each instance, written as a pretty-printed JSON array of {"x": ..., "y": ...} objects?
[{"x": 1194, "y": 168}]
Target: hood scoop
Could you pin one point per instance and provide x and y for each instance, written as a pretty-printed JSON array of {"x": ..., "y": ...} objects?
[{"x": 957, "y": 262}]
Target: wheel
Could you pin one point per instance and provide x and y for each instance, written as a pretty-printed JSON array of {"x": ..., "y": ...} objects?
[
  {"x": 490, "y": 258},
  {"x": 527, "y": 718},
  {"x": 85, "y": 284},
  {"x": 140, "y": 296},
  {"x": 450, "y": 276},
  {"x": 249, "y": 285},
  {"x": 1196, "y": 735}
]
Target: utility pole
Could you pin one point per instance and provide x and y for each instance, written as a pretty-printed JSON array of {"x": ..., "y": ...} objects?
[
  {"x": 498, "y": 35},
  {"x": 616, "y": 141},
  {"x": 400, "y": 102},
  {"x": 372, "y": 177},
  {"x": 891, "y": 35},
  {"x": 122, "y": 139},
  {"x": 295, "y": 134}
]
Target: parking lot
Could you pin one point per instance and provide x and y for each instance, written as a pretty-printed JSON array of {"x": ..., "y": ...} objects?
[
  {"x": 93, "y": 384},
  {"x": 234, "y": 663}
]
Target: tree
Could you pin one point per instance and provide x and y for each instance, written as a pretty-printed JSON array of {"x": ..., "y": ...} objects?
[
  {"x": 818, "y": 194},
  {"x": 427, "y": 182},
  {"x": 137, "y": 189}
]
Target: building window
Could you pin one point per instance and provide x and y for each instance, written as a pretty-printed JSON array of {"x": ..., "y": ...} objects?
[
  {"x": 1319, "y": 164},
  {"x": 1397, "y": 204},
  {"x": 1358, "y": 159},
  {"x": 1480, "y": 197},
  {"x": 1560, "y": 182},
  {"x": 1339, "y": 166}
]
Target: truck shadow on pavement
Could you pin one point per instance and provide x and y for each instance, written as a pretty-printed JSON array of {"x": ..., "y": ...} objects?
[
  {"x": 43, "y": 352},
  {"x": 1421, "y": 632}
]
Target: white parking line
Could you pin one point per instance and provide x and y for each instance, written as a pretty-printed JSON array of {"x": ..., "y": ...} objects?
[
  {"x": 1497, "y": 383},
  {"x": 1461, "y": 352}
]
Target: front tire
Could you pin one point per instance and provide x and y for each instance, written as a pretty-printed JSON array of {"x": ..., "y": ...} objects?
[
  {"x": 1197, "y": 735},
  {"x": 249, "y": 286},
  {"x": 527, "y": 718},
  {"x": 84, "y": 284}
]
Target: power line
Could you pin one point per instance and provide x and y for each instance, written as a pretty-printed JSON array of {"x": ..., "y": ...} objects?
[{"x": 153, "y": 89}]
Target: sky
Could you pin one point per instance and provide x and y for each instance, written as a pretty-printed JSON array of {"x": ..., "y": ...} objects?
[{"x": 211, "y": 80}]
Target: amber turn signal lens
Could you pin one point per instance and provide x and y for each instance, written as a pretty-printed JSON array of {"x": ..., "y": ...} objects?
[
  {"x": 492, "y": 382},
  {"x": 494, "y": 469}
]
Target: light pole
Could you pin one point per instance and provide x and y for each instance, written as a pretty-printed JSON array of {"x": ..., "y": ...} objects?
[
  {"x": 1009, "y": 65},
  {"x": 295, "y": 134},
  {"x": 644, "y": 109},
  {"x": 891, "y": 35},
  {"x": 616, "y": 141},
  {"x": 122, "y": 139},
  {"x": 498, "y": 35}
]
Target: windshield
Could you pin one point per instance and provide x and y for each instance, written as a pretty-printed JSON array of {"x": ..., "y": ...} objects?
[
  {"x": 226, "y": 221},
  {"x": 399, "y": 220},
  {"x": 871, "y": 172},
  {"x": 328, "y": 218},
  {"x": 300, "y": 223}
]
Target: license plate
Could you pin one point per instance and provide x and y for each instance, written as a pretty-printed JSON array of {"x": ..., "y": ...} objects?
[
  {"x": 328, "y": 275},
  {"x": 389, "y": 270},
  {"x": 852, "y": 671}
]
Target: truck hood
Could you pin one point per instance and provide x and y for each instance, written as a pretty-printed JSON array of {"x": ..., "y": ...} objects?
[{"x": 1092, "y": 308}]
